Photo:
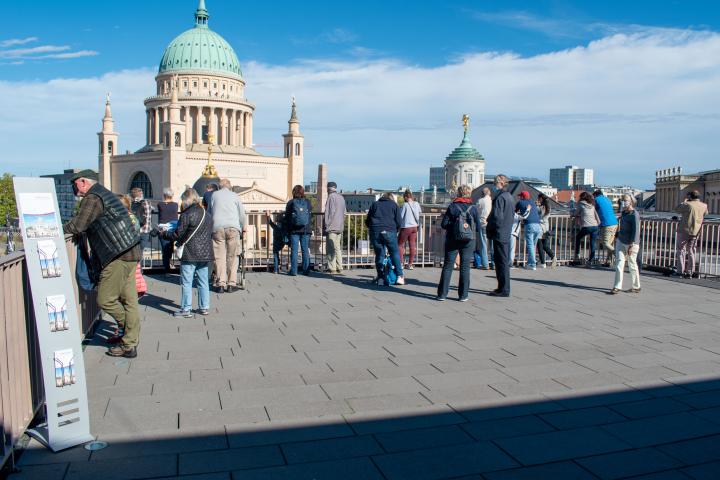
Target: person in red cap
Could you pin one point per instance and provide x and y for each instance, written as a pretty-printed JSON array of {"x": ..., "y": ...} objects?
[{"x": 531, "y": 226}]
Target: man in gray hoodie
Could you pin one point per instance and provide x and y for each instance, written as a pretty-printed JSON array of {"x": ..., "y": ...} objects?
[{"x": 334, "y": 224}]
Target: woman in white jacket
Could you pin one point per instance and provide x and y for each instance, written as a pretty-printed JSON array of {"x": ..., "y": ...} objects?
[{"x": 410, "y": 214}]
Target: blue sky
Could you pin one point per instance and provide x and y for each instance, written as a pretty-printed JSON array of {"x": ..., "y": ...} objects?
[{"x": 387, "y": 82}]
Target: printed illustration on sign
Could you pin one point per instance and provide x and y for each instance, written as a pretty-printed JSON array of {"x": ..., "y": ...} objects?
[
  {"x": 38, "y": 215},
  {"x": 49, "y": 259},
  {"x": 57, "y": 313},
  {"x": 64, "y": 368}
]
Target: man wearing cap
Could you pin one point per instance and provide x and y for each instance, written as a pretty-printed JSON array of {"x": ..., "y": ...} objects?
[
  {"x": 334, "y": 222},
  {"x": 113, "y": 238}
]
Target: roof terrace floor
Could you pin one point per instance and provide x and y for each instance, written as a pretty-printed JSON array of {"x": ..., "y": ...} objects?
[{"x": 330, "y": 377}]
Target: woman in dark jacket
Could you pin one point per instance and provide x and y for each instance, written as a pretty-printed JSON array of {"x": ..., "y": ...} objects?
[
  {"x": 298, "y": 225},
  {"x": 461, "y": 206},
  {"x": 194, "y": 234}
]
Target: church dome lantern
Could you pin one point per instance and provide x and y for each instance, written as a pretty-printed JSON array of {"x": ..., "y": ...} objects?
[{"x": 200, "y": 49}]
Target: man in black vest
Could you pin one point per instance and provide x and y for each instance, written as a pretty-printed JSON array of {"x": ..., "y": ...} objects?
[
  {"x": 113, "y": 238},
  {"x": 499, "y": 228}
]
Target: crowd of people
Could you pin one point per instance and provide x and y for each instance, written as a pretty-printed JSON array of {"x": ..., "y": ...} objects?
[{"x": 206, "y": 234}]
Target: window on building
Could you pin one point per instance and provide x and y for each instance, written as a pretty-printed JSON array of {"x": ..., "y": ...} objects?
[
  {"x": 178, "y": 139},
  {"x": 110, "y": 148},
  {"x": 204, "y": 133},
  {"x": 297, "y": 149},
  {"x": 287, "y": 150},
  {"x": 167, "y": 139},
  {"x": 142, "y": 181},
  {"x": 194, "y": 84},
  {"x": 205, "y": 84},
  {"x": 469, "y": 178}
]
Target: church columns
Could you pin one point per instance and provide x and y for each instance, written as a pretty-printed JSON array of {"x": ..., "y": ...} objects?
[
  {"x": 250, "y": 132},
  {"x": 188, "y": 125},
  {"x": 156, "y": 127},
  {"x": 241, "y": 129},
  {"x": 198, "y": 124},
  {"x": 223, "y": 127},
  {"x": 148, "y": 125},
  {"x": 233, "y": 128}
]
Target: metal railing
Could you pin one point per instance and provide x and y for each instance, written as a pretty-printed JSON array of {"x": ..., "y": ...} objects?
[
  {"x": 21, "y": 387},
  {"x": 658, "y": 244}
]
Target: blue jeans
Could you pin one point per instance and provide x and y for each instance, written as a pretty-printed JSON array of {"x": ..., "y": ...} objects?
[
  {"x": 532, "y": 232},
  {"x": 481, "y": 251},
  {"x": 188, "y": 270},
  {"x": 381, "y": 241},
  {"x": 302, "y": 239},
  {"x": 582, "y": 233}
]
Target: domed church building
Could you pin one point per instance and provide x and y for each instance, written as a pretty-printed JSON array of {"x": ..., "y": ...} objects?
[{"x": 199, "y": 107}]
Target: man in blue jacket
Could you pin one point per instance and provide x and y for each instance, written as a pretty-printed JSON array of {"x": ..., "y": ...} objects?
[
  {"x": 608, "y": 225},
  {"x": 499, "y": 228},
  {"x": 384, "y": 221}
]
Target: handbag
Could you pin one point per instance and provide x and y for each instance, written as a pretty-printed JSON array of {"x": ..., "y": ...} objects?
[{"x": 179, "y": 249}]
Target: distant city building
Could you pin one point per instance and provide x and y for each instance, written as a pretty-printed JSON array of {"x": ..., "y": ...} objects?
[
  {"x": 464, "y": 165},
  {"x": 571, "y": 176},
  {"x": 311, "y": 188},
  {"x": 437, "y": 176},
  {"x": 64, "y": 192},
  {"x": 548, "y": 190},
  {"x": 672, "y": 186}
]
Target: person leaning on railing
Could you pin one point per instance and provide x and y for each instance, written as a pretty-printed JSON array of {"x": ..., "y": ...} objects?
[
  {"x": 608, "y": 225},
  {"x": 114, "y": 241},
  {"x": 693, "y": 213},
  {"x": 587, "y": 219},
  {"x": 383, "y": 220},
  {"x": 627, "y": 245}
]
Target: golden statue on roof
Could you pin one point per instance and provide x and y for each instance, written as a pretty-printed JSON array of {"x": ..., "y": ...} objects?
[{"x": 466, "y": 121}]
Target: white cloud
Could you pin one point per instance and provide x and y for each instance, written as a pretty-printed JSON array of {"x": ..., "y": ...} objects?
[
  {"x": 40, "y": 52},
  {"x": 17, "y": 41},
  {"x": 625, "y": 105},
  {"x": 78, "y": 54}
]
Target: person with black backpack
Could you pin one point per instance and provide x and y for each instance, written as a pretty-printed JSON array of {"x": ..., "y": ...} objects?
[
  {"x": 460, "y": 223},
  {"x": 298, "y": 225}
]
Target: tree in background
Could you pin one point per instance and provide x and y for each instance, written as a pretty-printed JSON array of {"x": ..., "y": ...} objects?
[{"x": 7, "y": 198}]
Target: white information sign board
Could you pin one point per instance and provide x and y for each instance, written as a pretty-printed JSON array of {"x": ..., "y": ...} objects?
[{"x": 58, "y": 323}]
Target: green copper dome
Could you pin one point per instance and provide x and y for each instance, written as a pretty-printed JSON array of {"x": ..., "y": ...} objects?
[
  {"x": 200, "y": 49},
  {"x": 465, "y": 151}
]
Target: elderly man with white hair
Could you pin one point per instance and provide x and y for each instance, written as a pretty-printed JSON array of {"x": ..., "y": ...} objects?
[
  {"x": 627, "y": 245},
  {"x": 228, "y": 216}
]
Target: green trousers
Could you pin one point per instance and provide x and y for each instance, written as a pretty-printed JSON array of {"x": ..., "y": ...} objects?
[{"x": 117, "y": 296}]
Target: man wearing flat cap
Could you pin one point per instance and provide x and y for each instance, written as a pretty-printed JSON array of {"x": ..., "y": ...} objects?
[
  {"x": 113, "y": 239},
  {"x": 334, "y": 221}
]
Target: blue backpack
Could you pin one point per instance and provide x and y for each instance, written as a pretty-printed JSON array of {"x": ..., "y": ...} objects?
[
  {"x": 300, "y": 216},
  {"x": 389, "y": 275}
]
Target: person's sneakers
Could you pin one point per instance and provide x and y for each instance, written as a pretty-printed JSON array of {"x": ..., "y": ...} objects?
[
  {"x": 542, "y": 265},
  {"x": 686, "y": 275},
  {"x": 400, "y": 281},
  {"x": 441, "y": 299},
  {"x": 464, "y": 299},
  {"x": 410, "y": 267},
  {"x": 614, "y": 291},
  {"x": 203, "y": 311},
  {"x": 183, "y": 314},
  {"x": 554, "y": 263},
  {"x": 122, "y": 351},
  {"x": 232, "y": 288},
  {"x": 635, "y": 290},
  {"x": 495, "y": 293},
  {"x": 529, "y": 267}
]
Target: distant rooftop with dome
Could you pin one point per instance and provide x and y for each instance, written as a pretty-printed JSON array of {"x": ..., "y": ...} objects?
[{"x": 200, "y": 49}]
